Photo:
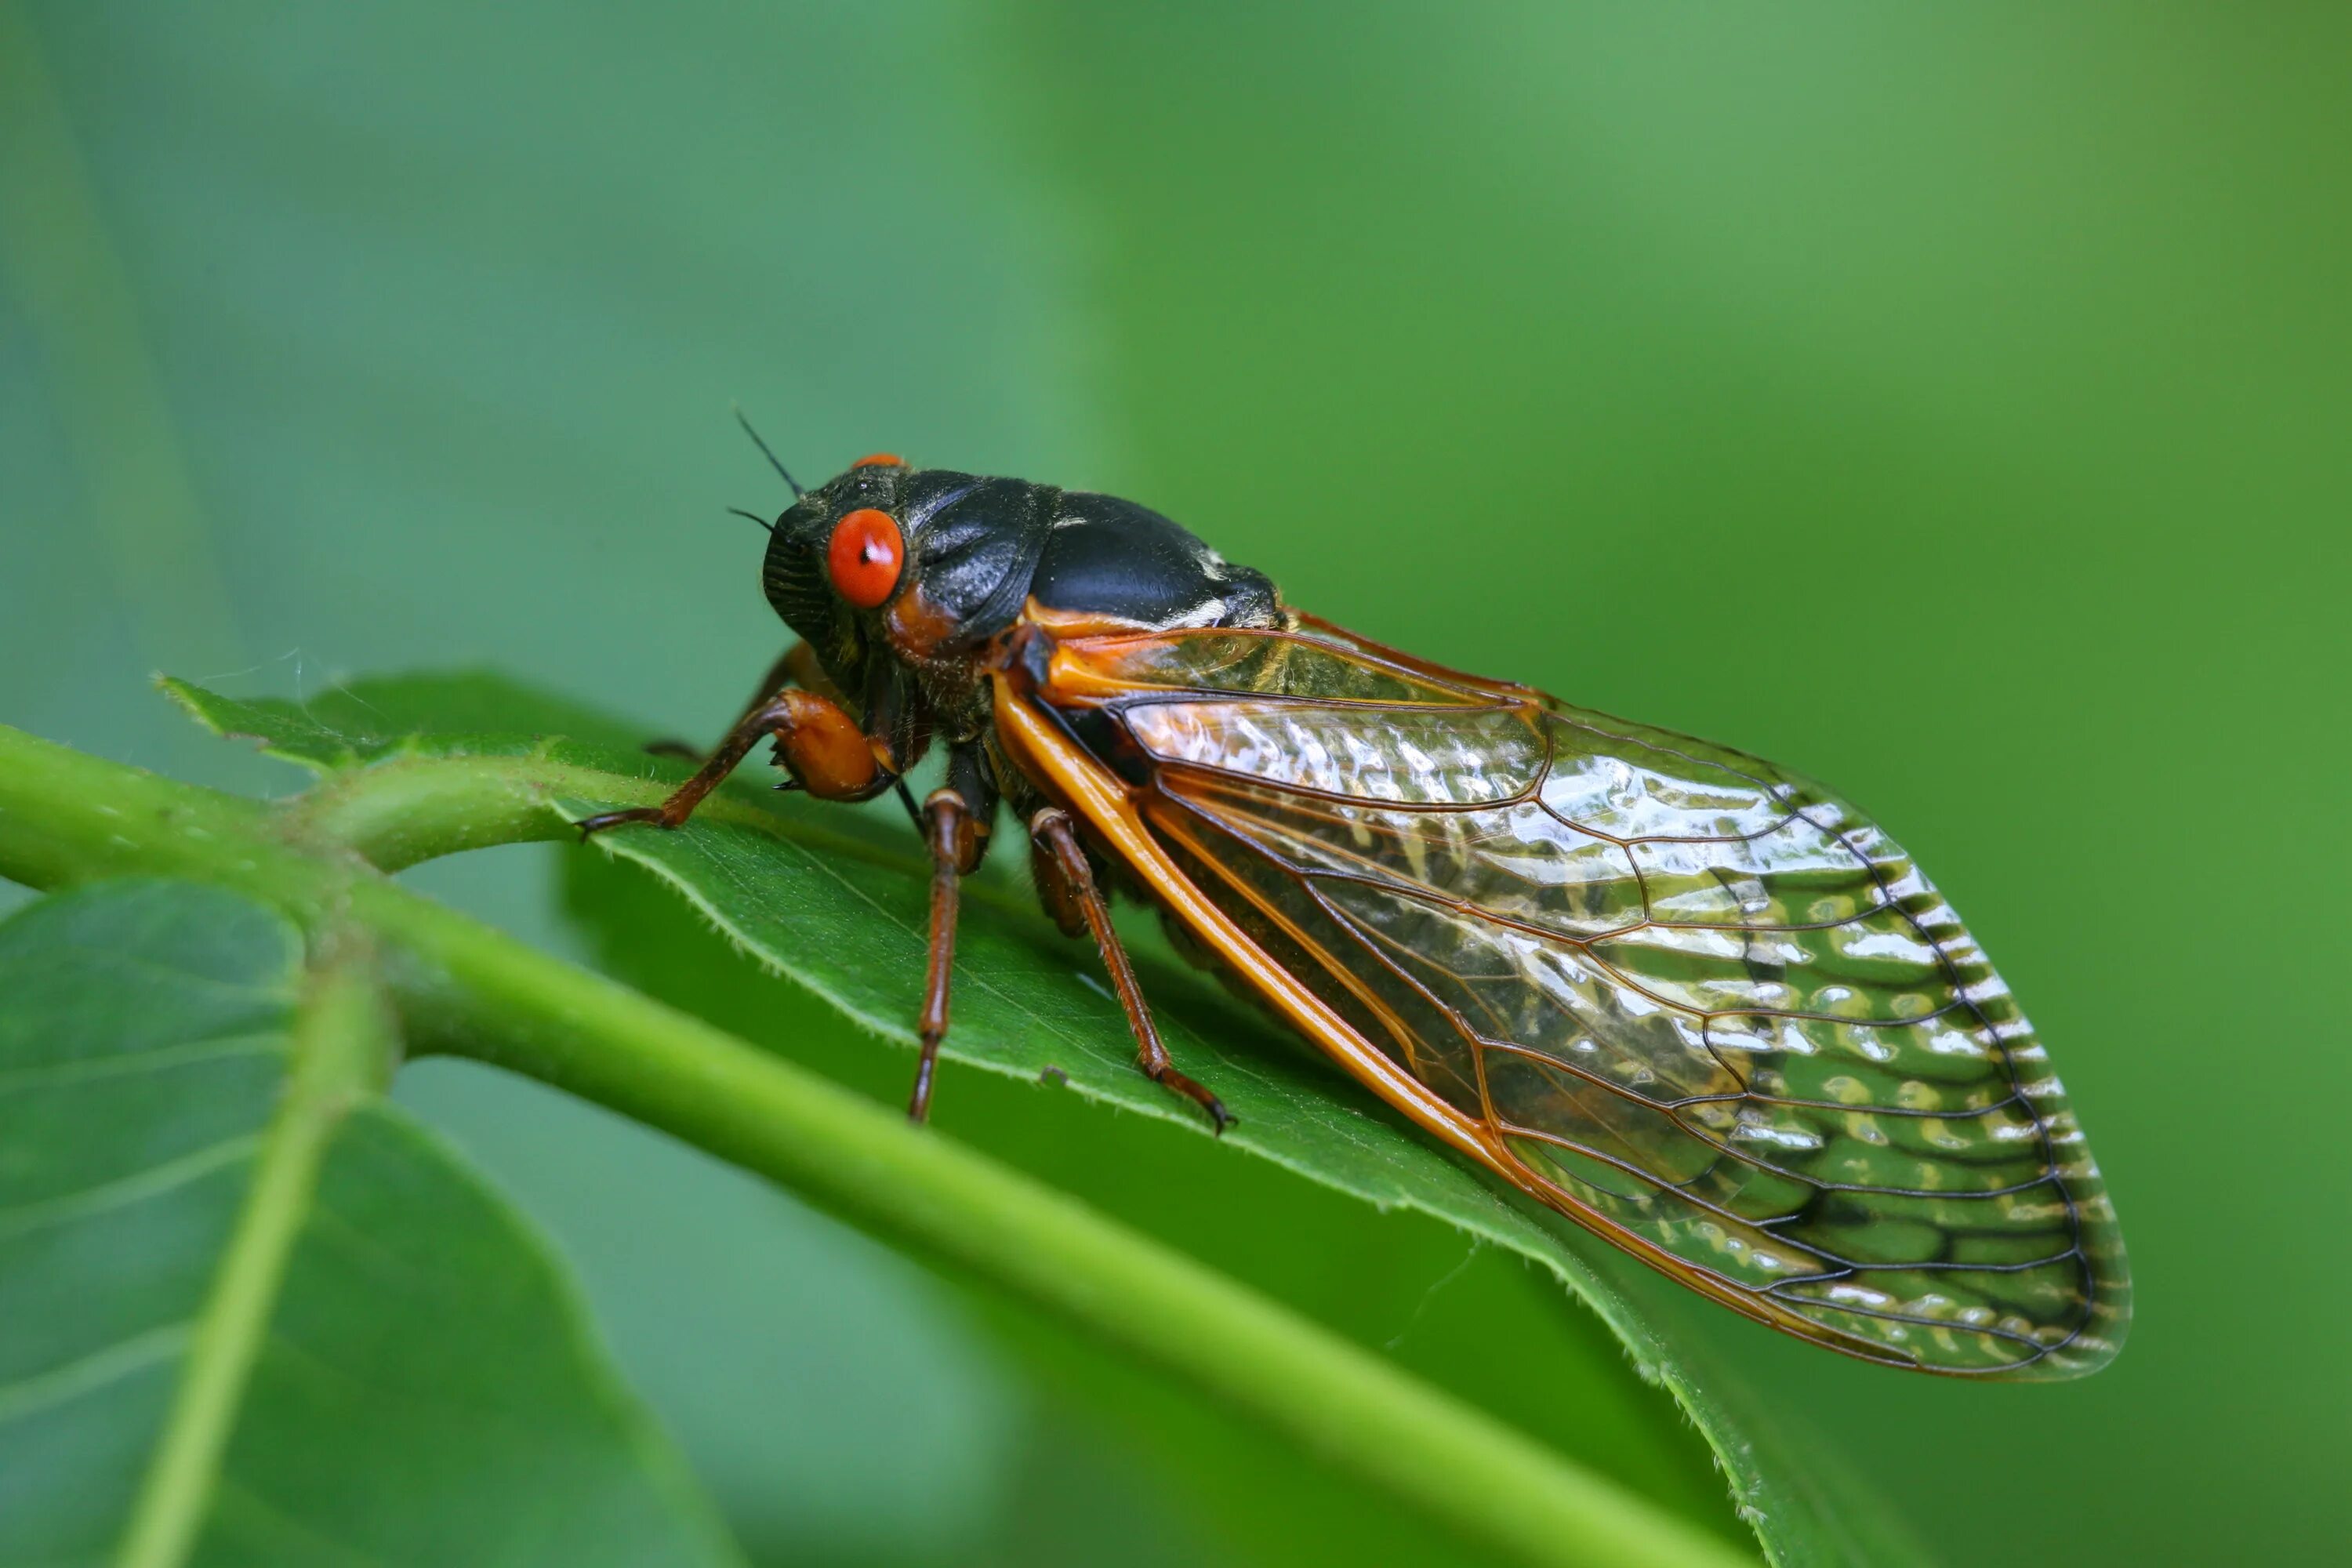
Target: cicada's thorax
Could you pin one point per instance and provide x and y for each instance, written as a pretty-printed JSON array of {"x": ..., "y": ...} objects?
[{"x": 980, "y": 558}]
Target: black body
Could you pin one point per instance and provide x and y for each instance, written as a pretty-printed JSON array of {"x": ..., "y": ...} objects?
[
  {"x": 978, "y": 548},
  {"x": 977, "y": 551}
]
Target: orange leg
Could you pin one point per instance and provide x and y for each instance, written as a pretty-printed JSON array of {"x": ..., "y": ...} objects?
[
  {"x": 1050, "y": 829},
  {"x": 949, "y": 834},
  {"x": 823, "y": 745},
  {"x": 1054, "y": 892},
  {"x": 797, "y": 667},
  {"x": 954, "y": 821}
]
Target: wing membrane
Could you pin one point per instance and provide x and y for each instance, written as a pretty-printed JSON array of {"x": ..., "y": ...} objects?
[{"x": 1693, "y": 1000}]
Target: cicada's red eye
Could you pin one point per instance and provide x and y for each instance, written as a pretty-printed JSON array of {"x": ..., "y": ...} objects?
[{"x": 865, "y": 557}]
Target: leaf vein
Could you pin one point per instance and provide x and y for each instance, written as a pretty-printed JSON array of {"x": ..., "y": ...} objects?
[
  {"x": 89, "y": 1374},
  {"x": 134, "y": 1064},
  {"x": 124, "y": 1191}
]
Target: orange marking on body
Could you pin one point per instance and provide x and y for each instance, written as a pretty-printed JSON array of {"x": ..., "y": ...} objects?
[
  {"x": 917, "y": 626},
  {"x": 1079, "y": 623},
  {"x": 880, "y": 460}
]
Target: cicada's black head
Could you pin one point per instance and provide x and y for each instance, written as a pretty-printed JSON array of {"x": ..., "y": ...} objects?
[
  {"x": 862, "y": 508},
  {"x": 925, "y": 565},
  {"x": 906, "y": 566}
]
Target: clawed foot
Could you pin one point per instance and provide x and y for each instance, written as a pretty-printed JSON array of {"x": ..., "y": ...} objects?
[
  {"x": 1219, "y": 1117},
  {"x": 589, "y": 825}
]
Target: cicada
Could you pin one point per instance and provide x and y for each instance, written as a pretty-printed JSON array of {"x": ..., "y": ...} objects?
[{"x": 1691, "y": 1000}]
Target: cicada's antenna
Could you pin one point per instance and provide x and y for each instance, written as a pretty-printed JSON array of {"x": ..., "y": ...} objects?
[
  {"x": 755, "y": 517},
  {"x": 773, "y": 462}
]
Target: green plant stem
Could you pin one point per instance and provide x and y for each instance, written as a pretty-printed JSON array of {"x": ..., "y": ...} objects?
[
  {"x": 406, "y": 810},
  {"x": 461, "y": 986}
]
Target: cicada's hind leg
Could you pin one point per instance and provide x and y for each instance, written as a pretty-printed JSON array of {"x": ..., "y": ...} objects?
[
  {"x": 955, "y": 821},
  {"x": 1066, "y": 883}
]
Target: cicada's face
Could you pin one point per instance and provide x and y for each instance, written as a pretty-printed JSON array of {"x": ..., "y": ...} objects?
[
  {"x": 917, "y": 566},
  {"x": 836, "y": 555}
]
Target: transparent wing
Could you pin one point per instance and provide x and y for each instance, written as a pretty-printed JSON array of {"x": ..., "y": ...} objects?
[{"x": 1700, "y": 1004}]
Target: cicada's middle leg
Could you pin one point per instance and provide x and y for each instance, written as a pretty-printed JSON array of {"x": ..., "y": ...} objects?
[
  {"x": 955, "y": 820},
  {"x": 1067, "y": 884}
]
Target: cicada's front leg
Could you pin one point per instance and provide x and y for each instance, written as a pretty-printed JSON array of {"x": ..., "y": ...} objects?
[
  {"x": 798, "y": 666},
  {"x": 825, "y": 748},
  {"x": 1066, "y": 883}
]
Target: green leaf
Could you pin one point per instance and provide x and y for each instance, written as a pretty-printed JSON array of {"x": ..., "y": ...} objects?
[
  {"x": 825, "y": 898},
  {"x": 1472, "y": 1319},
  {"x": 450, "y": 713},
  {"x": 1030, "y": 1005},
  {"x": 67, "y": 818},
  {"x": 255, "y": 1314}
]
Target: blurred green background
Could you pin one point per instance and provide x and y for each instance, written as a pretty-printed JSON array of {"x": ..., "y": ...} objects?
[{"x": 1951, "y": 402}]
